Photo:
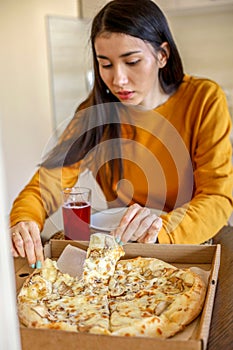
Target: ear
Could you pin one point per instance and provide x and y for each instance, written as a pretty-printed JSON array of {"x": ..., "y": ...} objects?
[{"x": 163, "y": 54}]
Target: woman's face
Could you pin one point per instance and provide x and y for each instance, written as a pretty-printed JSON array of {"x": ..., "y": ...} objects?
[{"x": 129, "y": 67}]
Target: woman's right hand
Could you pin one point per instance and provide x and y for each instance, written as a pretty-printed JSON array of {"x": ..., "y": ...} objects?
[
  {"x": 138, "y": 224},
  {"x": 26, "y": 242}
]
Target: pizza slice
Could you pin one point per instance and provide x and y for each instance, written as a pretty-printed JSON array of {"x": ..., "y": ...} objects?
[
  {"x": 102, "y": 256},
  {"x": 54, "y": 300},
  {"x": 48, "y": 281},
  {"x": 149, "y": 297}
]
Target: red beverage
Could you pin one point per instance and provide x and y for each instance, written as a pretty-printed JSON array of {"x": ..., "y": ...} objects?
[{"x": 76, "y": 218}]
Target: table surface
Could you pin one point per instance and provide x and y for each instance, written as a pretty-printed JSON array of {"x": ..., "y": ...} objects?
[{"x": 221, "y": 334}]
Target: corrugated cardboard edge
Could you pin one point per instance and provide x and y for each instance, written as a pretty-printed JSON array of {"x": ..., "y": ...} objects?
[
  {"x": 38, "y": 339},
  {"x": 209, "y": 302},
  {"x": 179, "y": 253}
]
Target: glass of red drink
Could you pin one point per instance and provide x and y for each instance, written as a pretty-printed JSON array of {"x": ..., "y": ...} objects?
[{"x": 76, "y": 210}]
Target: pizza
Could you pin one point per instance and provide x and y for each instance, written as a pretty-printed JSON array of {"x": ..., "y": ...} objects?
[{"x": 114, "y": 296}]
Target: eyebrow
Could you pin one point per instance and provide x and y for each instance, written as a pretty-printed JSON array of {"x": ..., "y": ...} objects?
[{"x": 123, "y": 55}]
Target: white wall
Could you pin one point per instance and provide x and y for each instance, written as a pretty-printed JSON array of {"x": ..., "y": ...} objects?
[
  {"x": 25, "y": 108},
  {"x": 205, "y": 42}
]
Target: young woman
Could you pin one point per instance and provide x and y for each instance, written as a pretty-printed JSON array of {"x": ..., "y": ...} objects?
[{"x": 152, "y": 136}]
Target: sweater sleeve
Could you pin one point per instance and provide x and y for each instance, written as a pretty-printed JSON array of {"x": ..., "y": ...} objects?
[
  {"x": 42, "y": 195},
  {"x": 211, "y": 153}
]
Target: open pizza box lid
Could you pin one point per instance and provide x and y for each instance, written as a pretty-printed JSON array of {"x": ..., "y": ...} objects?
[{"x": 203, "y": 257}]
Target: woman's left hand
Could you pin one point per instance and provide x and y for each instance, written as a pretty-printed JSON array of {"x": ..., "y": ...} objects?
[{"x": 138, "y": 224}]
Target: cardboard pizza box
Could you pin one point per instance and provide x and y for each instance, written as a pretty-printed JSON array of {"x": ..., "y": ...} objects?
[{"x": 204, "y": 257}]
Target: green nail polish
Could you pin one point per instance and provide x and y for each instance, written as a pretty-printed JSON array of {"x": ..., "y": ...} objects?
[
  {"x": 118, "y": 239},
  {"x": 38, "y": 264},
  {"x": 33, "y": 266},
  {"x": 121, "y": 243}
]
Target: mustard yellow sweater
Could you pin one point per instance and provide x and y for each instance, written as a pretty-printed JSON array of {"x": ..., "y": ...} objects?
[{"x": 179, "y": 160}]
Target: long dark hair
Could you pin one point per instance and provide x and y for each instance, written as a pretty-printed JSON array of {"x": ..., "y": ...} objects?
[{"x": 139, "y": 18}]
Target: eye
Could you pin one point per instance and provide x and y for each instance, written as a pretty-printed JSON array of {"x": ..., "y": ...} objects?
[
  {"x": 106, "y": 66},
  {"x": 133, "y": 63}
]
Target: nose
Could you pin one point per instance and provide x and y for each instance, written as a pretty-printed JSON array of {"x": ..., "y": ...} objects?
[{"x": 120, "y": 77}]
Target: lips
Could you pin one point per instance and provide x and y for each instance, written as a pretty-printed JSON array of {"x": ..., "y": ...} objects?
[{"x": 125, "y": 95}]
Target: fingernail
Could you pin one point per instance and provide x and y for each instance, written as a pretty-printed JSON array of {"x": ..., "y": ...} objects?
[
  {"x": 38, "y": 264},
  {"x": 118, "y": 240},
  {"x": 121, "y": 243},
  {"x": 33, "y": 266}
]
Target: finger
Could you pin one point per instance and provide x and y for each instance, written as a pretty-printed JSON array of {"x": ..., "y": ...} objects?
[
  {"x": 152, "y": 234},
  {"x": 130, "y": 214},
  {"x": 144, "y": 226},
  {"x": 18, "y": 244},
  {"x": 36, "y": 238},
  {"x": 29, "y": 248},
  {"x": 26, "y": 242},
  {"x": 138, "y": 226},
  {"x": 14, "y": 251},
  {"x": 33, "y": 245},
  {"x": 125, "y": 220},
  {"x": 132, "y": 228}
]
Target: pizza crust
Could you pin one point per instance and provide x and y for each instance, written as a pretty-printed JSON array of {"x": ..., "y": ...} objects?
[
  {"x": 27, "y": 316},
  {"x": 157, "y": 327},
  {"x": 187, "y": 307}
]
